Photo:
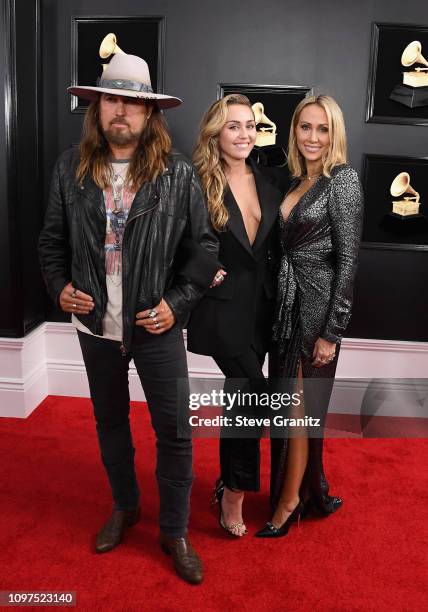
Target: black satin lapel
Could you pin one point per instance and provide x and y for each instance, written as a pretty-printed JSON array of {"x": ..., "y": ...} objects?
[
  {"x": 235, "y": 223},
  {"x": 270, "y": 198}
]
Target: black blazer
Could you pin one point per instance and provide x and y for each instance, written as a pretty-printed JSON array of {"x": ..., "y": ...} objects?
[{"x": 238, "y": 313}]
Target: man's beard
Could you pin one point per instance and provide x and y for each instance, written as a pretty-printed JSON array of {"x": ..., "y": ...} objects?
[{"x": 120, "y": 138}]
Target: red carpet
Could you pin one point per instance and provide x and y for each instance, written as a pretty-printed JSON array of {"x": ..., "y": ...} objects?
[{"x": 54, "y": 497}]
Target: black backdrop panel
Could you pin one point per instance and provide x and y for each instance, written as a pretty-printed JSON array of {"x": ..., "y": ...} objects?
[
  {"x": 23, "y": 297},
  {"x": 389, "y": 42},
  {"x": 379, "y": 225},
  {"x": 390, "y": 296}
]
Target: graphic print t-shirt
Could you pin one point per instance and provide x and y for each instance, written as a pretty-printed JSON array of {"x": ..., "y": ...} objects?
[{"x": 117, "y": 215}]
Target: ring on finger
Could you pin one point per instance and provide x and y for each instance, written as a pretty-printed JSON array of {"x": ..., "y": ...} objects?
[
  {"x": 74, "y": 305},
  {"x": 73, "y": 293},
  {"x": 153, "y": 313},
  {"x": 219, "y": 278},
  {"x": 157, "y": 325}
]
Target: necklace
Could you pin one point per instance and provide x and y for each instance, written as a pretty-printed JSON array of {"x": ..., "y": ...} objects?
[
  {"x": 118, "y": 183},
  {"x": 301, "y": 185},
  {"x": 311, "y": 178}
]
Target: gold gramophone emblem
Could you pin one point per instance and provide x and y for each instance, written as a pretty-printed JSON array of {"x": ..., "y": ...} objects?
[
  {"x": 266, "y": 133},
  {"x": 412, "y": 54},
  {"x": 409, "y": 205},
  {"x": 109, "y": 47}
]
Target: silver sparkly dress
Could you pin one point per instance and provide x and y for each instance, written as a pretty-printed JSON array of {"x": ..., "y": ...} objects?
[{"x": 319, "y": 248}]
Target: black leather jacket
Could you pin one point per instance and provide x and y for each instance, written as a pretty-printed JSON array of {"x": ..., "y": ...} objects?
[{"x": 164, "y": 213}]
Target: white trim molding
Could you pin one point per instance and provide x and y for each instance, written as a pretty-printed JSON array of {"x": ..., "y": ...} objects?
[
  {"x": 23, "y": 381},
  {"x": 48, "y": 361}
]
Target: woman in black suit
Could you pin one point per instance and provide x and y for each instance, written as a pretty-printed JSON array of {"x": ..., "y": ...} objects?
[{"x": 233, "y": 322}]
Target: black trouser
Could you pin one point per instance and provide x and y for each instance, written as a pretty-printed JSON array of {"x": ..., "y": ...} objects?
[
  {"x": 160, "y": 360},
  {"x": 240, "y": 457}
]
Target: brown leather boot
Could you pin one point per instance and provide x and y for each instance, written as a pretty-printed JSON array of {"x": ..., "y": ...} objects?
[
  {"x": 112, "y": 532},
  {"x": 187, "y": 564}
]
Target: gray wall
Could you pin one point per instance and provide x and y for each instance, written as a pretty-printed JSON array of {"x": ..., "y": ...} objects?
[{"x": 322, "y": 44}]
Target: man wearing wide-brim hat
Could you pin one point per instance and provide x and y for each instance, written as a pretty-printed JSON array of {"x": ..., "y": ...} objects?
[{"x": 120, "y": 207}]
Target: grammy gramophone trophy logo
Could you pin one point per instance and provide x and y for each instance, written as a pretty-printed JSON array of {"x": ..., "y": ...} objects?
[
  {"x": 109, "y": 47},
  {"x": 413, "y": 91},
  {"x": 266, "y": 129},
  {"x": 408, "y": 206},
  {"x": 267, "y": 152}
]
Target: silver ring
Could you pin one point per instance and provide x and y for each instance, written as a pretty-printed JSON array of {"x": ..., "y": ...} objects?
[
  {"x": 157, "y": 325},
  {"x": 152, "y": 313},
  {"x": 74, "y": 305},
  {"x": 74, "y": 293},
  {"x": 219, "y": 278}
]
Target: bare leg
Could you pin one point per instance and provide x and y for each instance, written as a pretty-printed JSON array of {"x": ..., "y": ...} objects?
[{"x": 297, "y": 458}]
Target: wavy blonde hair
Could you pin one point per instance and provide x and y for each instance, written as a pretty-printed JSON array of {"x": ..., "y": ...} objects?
[
  {"x": 148, "y": 161},
  {"x": 207, "y": 158},
  {"x": 336, "y": 126}
]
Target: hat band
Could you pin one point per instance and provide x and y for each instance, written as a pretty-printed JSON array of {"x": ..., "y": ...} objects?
[{"x": 118, "y": 84}]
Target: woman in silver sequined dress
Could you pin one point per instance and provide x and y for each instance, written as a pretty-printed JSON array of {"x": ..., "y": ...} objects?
[{"x": 320, "y": 226}]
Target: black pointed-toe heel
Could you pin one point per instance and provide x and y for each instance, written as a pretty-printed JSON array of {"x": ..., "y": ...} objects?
[
  {"x": 217, "y": 492},
  {"x": 330, "y": 504},
  {"x": 270, "y": 531},
  {"x": 324, "y": 506},
  {"x": 235, "y": 528}
]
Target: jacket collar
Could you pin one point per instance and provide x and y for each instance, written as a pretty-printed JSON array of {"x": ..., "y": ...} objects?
[
  {"x": 269, "y": 199},
  {"x": 146, "y": 198}
]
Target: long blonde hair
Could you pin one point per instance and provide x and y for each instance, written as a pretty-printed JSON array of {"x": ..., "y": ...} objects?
[
  {"x": 148, "y": 161},
  {"x": 336, "y": 126},
  {"x": 208, "y": 161}
]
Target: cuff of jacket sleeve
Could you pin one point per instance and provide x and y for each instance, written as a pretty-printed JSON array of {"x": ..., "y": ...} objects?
[
  {"x": 55, "y": 290},
  {"x": 331, "y": 337},
  {"x": 181, "y": 317},
  {"x": 197, "y": 264}
]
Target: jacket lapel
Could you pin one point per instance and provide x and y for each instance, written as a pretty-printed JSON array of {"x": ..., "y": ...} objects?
[
  {"x": 93, "y": 193},
  {"x": 145, "y": 199},
  {"x": 235, "y": 223},
  {"x": 270, "y": 199}
]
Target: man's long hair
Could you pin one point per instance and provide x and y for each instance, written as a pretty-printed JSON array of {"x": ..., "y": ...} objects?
[{"x": 148, "y": 161}]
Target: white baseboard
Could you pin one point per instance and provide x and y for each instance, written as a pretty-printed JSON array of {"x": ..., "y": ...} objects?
[
  {"x": 48, "y": 362},
  {"x": 380, "y": 397},
  {"x": 23, "y": 383}
]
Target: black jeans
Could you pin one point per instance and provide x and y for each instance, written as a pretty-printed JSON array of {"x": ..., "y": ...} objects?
[
  {"x": 240, "y": 457},
  {"x": 160, "y": 360}
]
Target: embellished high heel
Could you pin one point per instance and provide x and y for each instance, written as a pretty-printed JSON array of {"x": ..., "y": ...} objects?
[
  {"x": 270, "y": 531},
  {"x": 237, "y": 530}
]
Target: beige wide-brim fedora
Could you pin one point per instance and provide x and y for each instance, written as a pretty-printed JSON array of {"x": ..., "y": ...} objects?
[{"x": 125, "y": 75}]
